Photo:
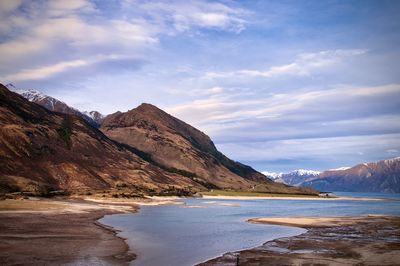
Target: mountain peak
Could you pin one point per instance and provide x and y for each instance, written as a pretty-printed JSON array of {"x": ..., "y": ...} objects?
[
  {"x": 306, "y": 172},
  {"x": 55, "y": 105},
  {"x": 392, "y": 160},
  {"x": 147, "y": 105},
  {"x": 150, "y": 109},
  {"x": 95, "y": 116},
  {"x": 10, "y": 86},
  {"x": 30, "y": 94}
]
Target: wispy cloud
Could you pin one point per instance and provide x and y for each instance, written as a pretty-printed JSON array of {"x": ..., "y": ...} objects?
[
  {"x": 60, "y": 67},
  {"x": 8, "y": 6},
  {"x": 342, "y": 110},
  {"x": 63, "y": 7},
  {"x": 184, "y": 16},
  {"x": 314, "y": 153},
  {"x": 303, "y": 65}
]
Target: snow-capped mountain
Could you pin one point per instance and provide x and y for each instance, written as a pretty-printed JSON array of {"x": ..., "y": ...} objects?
[
  {"x": 391, "y": 161},
  {"x": 94, "y": 118},
  {"x": 303, "y": 172},
  {"x": 29, "y": 94},
  {"x": 340, "y": 168},
  {"x": 381, "y": 176},
  {"x": 293, "y": 178},
  {"x": 272, "y": 175}
]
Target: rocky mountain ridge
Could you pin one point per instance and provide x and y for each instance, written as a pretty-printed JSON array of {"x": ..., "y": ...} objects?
[
  {"x": 380, "y": 176},
  {"x": 55, "y": 105}
]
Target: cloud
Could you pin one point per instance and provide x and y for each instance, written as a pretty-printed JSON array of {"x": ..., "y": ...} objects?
[
  {"x": 185, "y": 16},
  {"x": 313, "y": 153},
  {"x": 82, "y": 31},
  {"x": 338, "y": 111},
  {"x": 313, "y": 128},
  {"x": 75, "y": 33},
  {"x": 214, "y": 90},
  {"x": 8, "y": 6},
  {"x": 303, "y": 65},
  {"x": 44, "y": 72},
  {"x": 100, "y": 62},
  {"x": 392, "y": 151},
  {"x": 63, "y": 7}
]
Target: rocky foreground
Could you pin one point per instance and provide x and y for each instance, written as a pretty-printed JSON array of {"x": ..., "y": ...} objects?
[{"x": 372, "y": 240}]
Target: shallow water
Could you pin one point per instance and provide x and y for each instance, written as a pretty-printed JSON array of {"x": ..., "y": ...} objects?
[{"x": 177, "y": 235}]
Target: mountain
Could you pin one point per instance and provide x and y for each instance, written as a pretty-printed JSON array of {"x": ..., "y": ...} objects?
[
  {"x": 41, "y": 150},
  {"x": 95, "y": 116},
  {"x": 381, "y": 176},
  {"x": 52, "y": 104},
  {"x": 176, "y": 146},
  {"x": 294, "y": 178}
]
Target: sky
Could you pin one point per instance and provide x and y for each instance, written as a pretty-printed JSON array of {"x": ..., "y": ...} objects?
[{"x": 279, "y": 85}]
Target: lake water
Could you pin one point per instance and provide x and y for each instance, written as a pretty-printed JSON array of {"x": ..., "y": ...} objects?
[{"x": 176, "y": 235}]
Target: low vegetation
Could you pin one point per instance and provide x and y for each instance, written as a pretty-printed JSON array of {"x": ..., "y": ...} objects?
[{"x": 65, "y": 132}]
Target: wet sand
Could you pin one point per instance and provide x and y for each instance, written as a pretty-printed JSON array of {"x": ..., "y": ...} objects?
[
  {"x": 365, "y": 240},
  {"x": 60, "y": 232}
]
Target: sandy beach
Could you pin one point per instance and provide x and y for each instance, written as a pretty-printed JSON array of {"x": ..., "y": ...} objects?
[
  {"x": 363, "y": 240},
  {"x": 313, "y": 222}
]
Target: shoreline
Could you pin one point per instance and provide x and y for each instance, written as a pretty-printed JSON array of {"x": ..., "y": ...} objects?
[
  {"x": 223, "y": 197},
  {"x": 62, "y": 231},
  {"x": 366, "y": 240}
]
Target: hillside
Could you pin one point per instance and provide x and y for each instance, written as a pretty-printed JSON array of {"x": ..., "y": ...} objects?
[{"x": 177, "y": 146}]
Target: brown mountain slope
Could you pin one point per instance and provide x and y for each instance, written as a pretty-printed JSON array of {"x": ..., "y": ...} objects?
[
  {"x": 381, "y": 176},
  {"x": 41, "y": 150},
  {"x": 179, "y": 147}
]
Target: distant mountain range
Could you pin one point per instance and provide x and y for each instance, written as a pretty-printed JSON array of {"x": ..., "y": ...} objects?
[
  {"x": 381, "y": 176},
  {"x": 46, "y": 145},
  {"x": 55, "y": 105},
  {"x": 294, "y": 178}
]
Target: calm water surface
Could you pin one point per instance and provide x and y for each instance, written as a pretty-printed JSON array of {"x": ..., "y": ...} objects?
[{"x": 180, "y": 236}]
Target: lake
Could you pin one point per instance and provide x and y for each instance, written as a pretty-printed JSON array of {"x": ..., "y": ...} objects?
[{"x": 201, "y": 229}]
